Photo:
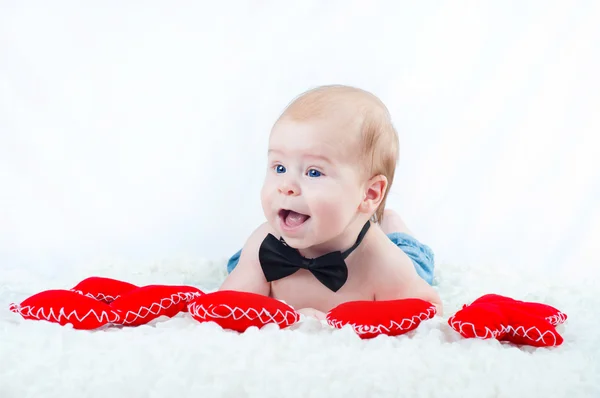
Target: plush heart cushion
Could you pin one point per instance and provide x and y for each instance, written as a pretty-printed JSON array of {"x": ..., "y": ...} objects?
[
  {"x": 507, "y": 319},
  {"x": 103, "y": 289},
  {"x": 66, "y": 307},
  {"x": 549, "y": 313},
  {"x": 240, "y": 310},
  {"x": 144, "y": 304},
  {"x": 372, "y": 318}
]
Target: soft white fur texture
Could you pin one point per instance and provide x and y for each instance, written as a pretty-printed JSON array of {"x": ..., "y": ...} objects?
[{"x": 180, "y": 357}]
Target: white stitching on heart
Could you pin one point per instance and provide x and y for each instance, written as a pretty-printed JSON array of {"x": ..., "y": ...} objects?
[
  {"x": 38, "y": 313},
  {"x": 99, "y": 296},
  {"x": 405, "y": 323},
  {"x": 519, "y": 331},
  {"x": 286, "y": 318},
  {"x": 556, "y": 319},
  {"x": 164, "y": 304}
]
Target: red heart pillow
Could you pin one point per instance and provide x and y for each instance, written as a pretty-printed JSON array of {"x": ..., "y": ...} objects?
[
  {"x": 503, "y": 318},
  {"x": 549, "y": 313},
  {"x": 240, "y": 310},
  {"x": 103, "y": 289},
  {"x": 372, "y": 318},
  {"x": 64, "y": 307},
  {"x": 147, "y": 303},
  {"x": 488, "y": 321}
]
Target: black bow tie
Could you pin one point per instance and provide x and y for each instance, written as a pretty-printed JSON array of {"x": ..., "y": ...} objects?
[{"x": 278, "y": 260}]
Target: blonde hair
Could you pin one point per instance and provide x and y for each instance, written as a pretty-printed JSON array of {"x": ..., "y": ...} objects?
[{"x": 379, "y": 139}]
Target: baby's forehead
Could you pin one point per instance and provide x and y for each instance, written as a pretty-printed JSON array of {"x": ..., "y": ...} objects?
[{"x": 338, "y": 139}]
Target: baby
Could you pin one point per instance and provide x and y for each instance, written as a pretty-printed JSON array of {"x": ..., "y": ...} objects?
[{"x": 328, "y": 238}]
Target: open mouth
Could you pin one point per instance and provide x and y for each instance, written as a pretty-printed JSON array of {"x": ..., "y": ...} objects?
[{"x": 292, "y": 219}]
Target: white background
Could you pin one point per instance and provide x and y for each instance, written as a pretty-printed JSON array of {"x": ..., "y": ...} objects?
[{"x": 139, "y": 130}]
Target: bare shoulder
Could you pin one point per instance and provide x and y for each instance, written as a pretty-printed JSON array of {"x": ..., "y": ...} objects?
[
  {"x": 396, "y": 277},
  {"x": 256, "y": 238},
  {"x": 252, "y": 245},
  {"x": 247, "y": 275},
  {"x": 393, "y": 266}
]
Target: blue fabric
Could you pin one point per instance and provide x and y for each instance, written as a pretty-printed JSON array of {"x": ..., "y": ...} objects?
[
  {"x": 233, "y": 261},
  {"x": 420, "y": 254}
]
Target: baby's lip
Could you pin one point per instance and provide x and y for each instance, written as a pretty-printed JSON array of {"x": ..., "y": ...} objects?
[{"x": 284, "y": 212}]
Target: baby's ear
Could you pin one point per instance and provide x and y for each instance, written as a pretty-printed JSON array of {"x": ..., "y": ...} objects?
[{"x": 374, "y": 193}]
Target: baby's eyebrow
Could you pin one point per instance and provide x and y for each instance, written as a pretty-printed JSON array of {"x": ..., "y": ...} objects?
[
  {"x": 320, "y": 157},
  {"x": 313, "y": 156},
  {"x": 308, "y": 155}
]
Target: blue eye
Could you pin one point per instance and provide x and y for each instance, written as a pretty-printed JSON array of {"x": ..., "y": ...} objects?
[
  {"x": 314, "y": 173},
  {"x": 280, "y": 169}
]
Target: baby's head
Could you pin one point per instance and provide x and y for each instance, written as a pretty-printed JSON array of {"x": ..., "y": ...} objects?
[{"x": 331, "y": 161}]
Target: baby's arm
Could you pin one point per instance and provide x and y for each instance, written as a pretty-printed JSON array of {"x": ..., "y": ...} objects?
[
  {"x": 248, "y": 276},
  {"x": 399, "y": 280}
]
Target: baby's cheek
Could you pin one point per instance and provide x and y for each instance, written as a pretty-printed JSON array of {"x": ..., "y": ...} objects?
[
  {"x": 266, "y": 200},
  {"x": 332, "y": 211}
]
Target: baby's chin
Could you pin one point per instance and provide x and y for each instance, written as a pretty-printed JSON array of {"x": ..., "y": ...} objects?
[
  {"x": 298, "y": 241},
  {"x": 298, "y": 244}
]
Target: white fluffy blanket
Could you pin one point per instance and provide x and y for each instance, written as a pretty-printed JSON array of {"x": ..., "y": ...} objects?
[{"x": 180, "y": 357}]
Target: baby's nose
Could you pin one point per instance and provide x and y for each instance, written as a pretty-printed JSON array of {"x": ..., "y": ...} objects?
[{"x": 289, "y": 189}]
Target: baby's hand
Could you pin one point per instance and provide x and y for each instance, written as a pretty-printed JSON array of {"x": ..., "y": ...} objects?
[{"x": 313, "y": 313}]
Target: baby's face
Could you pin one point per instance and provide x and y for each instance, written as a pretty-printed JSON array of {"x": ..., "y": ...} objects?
[{"x": 313, "y": 185}]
